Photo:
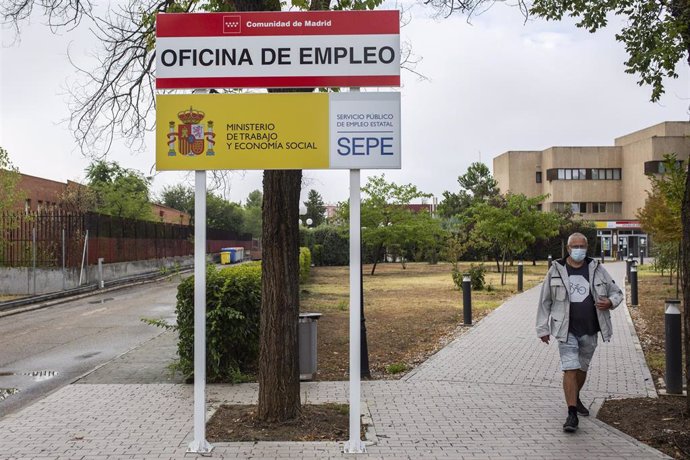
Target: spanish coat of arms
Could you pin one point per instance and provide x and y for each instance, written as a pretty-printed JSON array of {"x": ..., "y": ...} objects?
[{"x": 190, "y": 134}]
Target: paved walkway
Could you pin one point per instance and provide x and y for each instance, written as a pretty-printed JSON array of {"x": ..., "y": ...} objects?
[{"x": 492, "y": 393}]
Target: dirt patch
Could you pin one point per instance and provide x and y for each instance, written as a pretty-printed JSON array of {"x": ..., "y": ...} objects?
[
  {"x": 661, "y": 423},
  {"x": 410, "y": 313},
  {"x": 236, "y": 423}
]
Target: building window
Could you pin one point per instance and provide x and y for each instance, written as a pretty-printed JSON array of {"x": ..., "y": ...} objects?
[
  {"x": 598, "y": 208},
  {"x": 606, "y": 174},
  {"x": 578, "y": 207},
  {"x": 561, "y": 174},
  {"x": 538, "y": 177}
]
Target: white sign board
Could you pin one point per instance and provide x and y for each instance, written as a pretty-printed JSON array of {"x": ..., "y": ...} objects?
[{"x": 364, "y": 130}]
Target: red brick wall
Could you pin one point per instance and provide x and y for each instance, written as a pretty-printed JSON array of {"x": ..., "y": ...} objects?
[{"x": 43, "y": 193}]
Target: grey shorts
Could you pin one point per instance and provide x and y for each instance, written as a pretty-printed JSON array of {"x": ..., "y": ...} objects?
[{"x": 577, "y": 352}]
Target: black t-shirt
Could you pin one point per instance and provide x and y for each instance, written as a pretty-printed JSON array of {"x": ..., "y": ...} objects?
[{"x": 583, "y": 312}]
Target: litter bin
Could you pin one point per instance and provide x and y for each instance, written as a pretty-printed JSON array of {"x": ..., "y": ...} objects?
[
  {"x": 307, "y": 345},
  {"x": 225, "y": 256},
  {"x": 233, "y": 255}
]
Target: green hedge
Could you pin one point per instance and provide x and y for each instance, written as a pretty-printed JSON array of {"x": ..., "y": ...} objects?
[
  {"x": 233, "y": 302},
  {"x": 329, "y": 245},
  {"x": 304, "y": 264}
]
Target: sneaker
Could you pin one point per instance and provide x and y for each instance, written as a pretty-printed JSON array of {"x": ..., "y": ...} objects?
[
  {"x": 581, "y": 408},
  {"x": 571, "y": 423}
]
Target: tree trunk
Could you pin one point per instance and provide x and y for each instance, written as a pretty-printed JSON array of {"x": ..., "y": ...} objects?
[
  {"x": 279, "y": 385},
  {"x": 503, "y": 271},
  {"x": 376, "y": 258},
  {"x": 685, "y": 274}
]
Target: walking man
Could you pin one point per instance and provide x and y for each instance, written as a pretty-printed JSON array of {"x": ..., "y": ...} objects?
[{"x": 574, "y": 306}]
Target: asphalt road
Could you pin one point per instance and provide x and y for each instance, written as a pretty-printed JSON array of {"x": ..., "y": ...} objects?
[{"x": 43, "y": 350}]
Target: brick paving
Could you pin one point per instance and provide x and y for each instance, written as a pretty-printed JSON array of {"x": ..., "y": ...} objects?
[{"x": 494, "y": 392}]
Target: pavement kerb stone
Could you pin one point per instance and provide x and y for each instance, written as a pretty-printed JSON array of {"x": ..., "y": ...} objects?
[{"x": 649, "y": 381}]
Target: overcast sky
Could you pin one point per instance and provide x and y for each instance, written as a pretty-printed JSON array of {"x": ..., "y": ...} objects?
[{"x": 494, "y": 85}]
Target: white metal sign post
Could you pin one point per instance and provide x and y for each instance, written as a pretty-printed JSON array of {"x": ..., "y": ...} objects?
[
  {"x": 199, "y": 444},
  {"x": 355, "y": 444}
]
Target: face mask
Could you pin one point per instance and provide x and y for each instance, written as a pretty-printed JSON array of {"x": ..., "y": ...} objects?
[{"x": 578, "y": 254}]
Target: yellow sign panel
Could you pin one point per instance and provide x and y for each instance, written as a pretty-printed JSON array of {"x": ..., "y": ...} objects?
[{"x": 242, "y": 131}]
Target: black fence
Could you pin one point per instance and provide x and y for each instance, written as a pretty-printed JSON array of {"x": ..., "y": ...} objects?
[{"x": 52, "y": 239}]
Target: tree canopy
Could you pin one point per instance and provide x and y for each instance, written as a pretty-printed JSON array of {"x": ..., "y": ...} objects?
[
  {"x": 514, "y": 226},
  {"x": 252, "y": 213},
  {"x": 389, "y": 222},
  {"x": 316, "y": 209},
  {"x": 476, "y": 185},
  {"x": 119, "y": 191},
  {"x": 9, "y": 180},
  {"x": 661, "y": 214}
]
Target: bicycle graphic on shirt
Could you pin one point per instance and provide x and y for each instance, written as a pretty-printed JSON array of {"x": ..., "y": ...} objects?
[{"x": 580, "y": 289}]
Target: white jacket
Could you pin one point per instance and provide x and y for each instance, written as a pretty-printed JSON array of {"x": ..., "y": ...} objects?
[{"x": 553, "y": 314}]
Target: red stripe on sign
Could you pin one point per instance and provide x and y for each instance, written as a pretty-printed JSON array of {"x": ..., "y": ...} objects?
[
  {"x": 277, "y": 23},
  {"x": 277, "y": 82}
]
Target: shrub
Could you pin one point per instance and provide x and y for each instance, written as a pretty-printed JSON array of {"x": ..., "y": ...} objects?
[
  {"x": 304, "y": 264},
  {"x": 477, "y": 273},
  {"x": 317, "y": 254},
  {"x": 233, "y": 301},
  {"x": 329, "y": 245}
]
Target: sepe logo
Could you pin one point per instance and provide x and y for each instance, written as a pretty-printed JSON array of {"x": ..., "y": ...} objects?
[
  {"x": 190, "y": 134},
  {"x": 232, "y": 24}
]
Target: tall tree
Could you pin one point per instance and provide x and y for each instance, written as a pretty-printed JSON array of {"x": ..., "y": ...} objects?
[
  {"x": 477, "y": 184},
  {"x": 387, "y": 219},
  {"x": 252, "y": 213},
  {"x": 180, "y": 197},
  {"x": 316, "y": 209},
  {"x": 515, "y": 226},
  {"x": 223, "y": 214},
  {"x": 120, "y": 192},
  {"x": 661, "y": 214}
]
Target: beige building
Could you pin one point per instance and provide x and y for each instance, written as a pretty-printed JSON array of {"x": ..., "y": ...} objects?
[{"x": 606, "y": 185}]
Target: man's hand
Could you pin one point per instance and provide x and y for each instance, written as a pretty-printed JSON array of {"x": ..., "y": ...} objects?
[
  {"x": 603, "y": 303},
  {"x": 545, "y": 339}
]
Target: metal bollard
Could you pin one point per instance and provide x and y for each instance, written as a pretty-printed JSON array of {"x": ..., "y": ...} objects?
[
  {"x": 520, "y": 274},
  {"x": 633, "y": 285},
  {"x": 628, "y": 263},
  {"x": 641, "y": 256},
  {"x": 101, "y": 284},
  {"x": 467, "y": 300},
  {"x": 549, "y": 260},
  {"x": 674, "y": 367}
]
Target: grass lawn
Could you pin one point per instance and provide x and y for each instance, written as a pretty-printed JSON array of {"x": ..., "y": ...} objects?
[{"x": 410, "y": 313}]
